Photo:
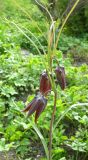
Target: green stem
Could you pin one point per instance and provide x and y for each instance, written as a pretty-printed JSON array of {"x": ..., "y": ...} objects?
[
  {"x": 51, "y": 127},
  {"x": 29, "y": 16},
  {"x": 58, "y": 37}
]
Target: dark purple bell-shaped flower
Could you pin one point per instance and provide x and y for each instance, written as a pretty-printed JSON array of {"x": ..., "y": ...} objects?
[
  {"x": 60, "y": 75},
  {"x": 36, "y": 105},
  {"x": 45, "y": 85}
]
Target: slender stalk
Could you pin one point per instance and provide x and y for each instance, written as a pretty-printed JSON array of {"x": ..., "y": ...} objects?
[
  {"x": 29, "y": 16},
  {"x": 45, "y": 10},
  {"x": 51, "y": 36},
  {"x": 51, "y": 127},
  {"x": 72, "y": 9}
]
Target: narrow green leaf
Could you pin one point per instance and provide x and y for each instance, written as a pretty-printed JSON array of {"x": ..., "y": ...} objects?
[
  {"x": 41, "y": 138},
  {"x": 67, "y": 110}
]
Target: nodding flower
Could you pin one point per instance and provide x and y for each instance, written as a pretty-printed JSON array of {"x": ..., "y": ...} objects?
[
  {"x": 60, "y": 75},
  {"x": 37, "y": 105},
  {"x": 45, "y": 85}
]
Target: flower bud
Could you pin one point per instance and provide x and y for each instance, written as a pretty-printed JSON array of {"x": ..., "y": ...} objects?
[
  {"x": 37, "y": 105},
  {"x": 45, "y": 85},
  {"x": 60, "y": 75}
]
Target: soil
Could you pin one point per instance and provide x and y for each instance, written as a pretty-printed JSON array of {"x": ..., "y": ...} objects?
[{"x": 11, "y": 155}]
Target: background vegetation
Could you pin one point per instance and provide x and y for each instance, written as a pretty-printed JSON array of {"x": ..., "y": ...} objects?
[{"x": 20, "y": 68}]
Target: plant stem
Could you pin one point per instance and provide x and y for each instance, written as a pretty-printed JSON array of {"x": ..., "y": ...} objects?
[
  {"x": 51, "y": 127},
  {"x": 72, "y": 9}
]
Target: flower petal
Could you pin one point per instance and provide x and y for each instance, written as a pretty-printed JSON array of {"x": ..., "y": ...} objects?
[
  {"x": 63, "y": 83},
  {"x": 32, "y": 109},
  {"x": 40, "y": 109},
  {"x": 45, "y": 85},
  {"x": 38, "y": 101},
  {"x": 29, "y": 105},
  {"x": 60, "y": 74}
]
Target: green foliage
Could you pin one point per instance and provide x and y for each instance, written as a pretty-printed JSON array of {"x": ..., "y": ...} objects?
[
  {"x": 78, "y": 23},
  {"x": 17, "y": 81},
  {"x": 27, "y": 21}
]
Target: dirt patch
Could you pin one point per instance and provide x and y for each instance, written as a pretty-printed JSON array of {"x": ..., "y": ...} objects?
[{"x": 11, "y": 155}]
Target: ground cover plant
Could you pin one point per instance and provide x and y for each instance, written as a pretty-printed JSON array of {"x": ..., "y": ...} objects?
[{"x": 19, "y": 79}]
